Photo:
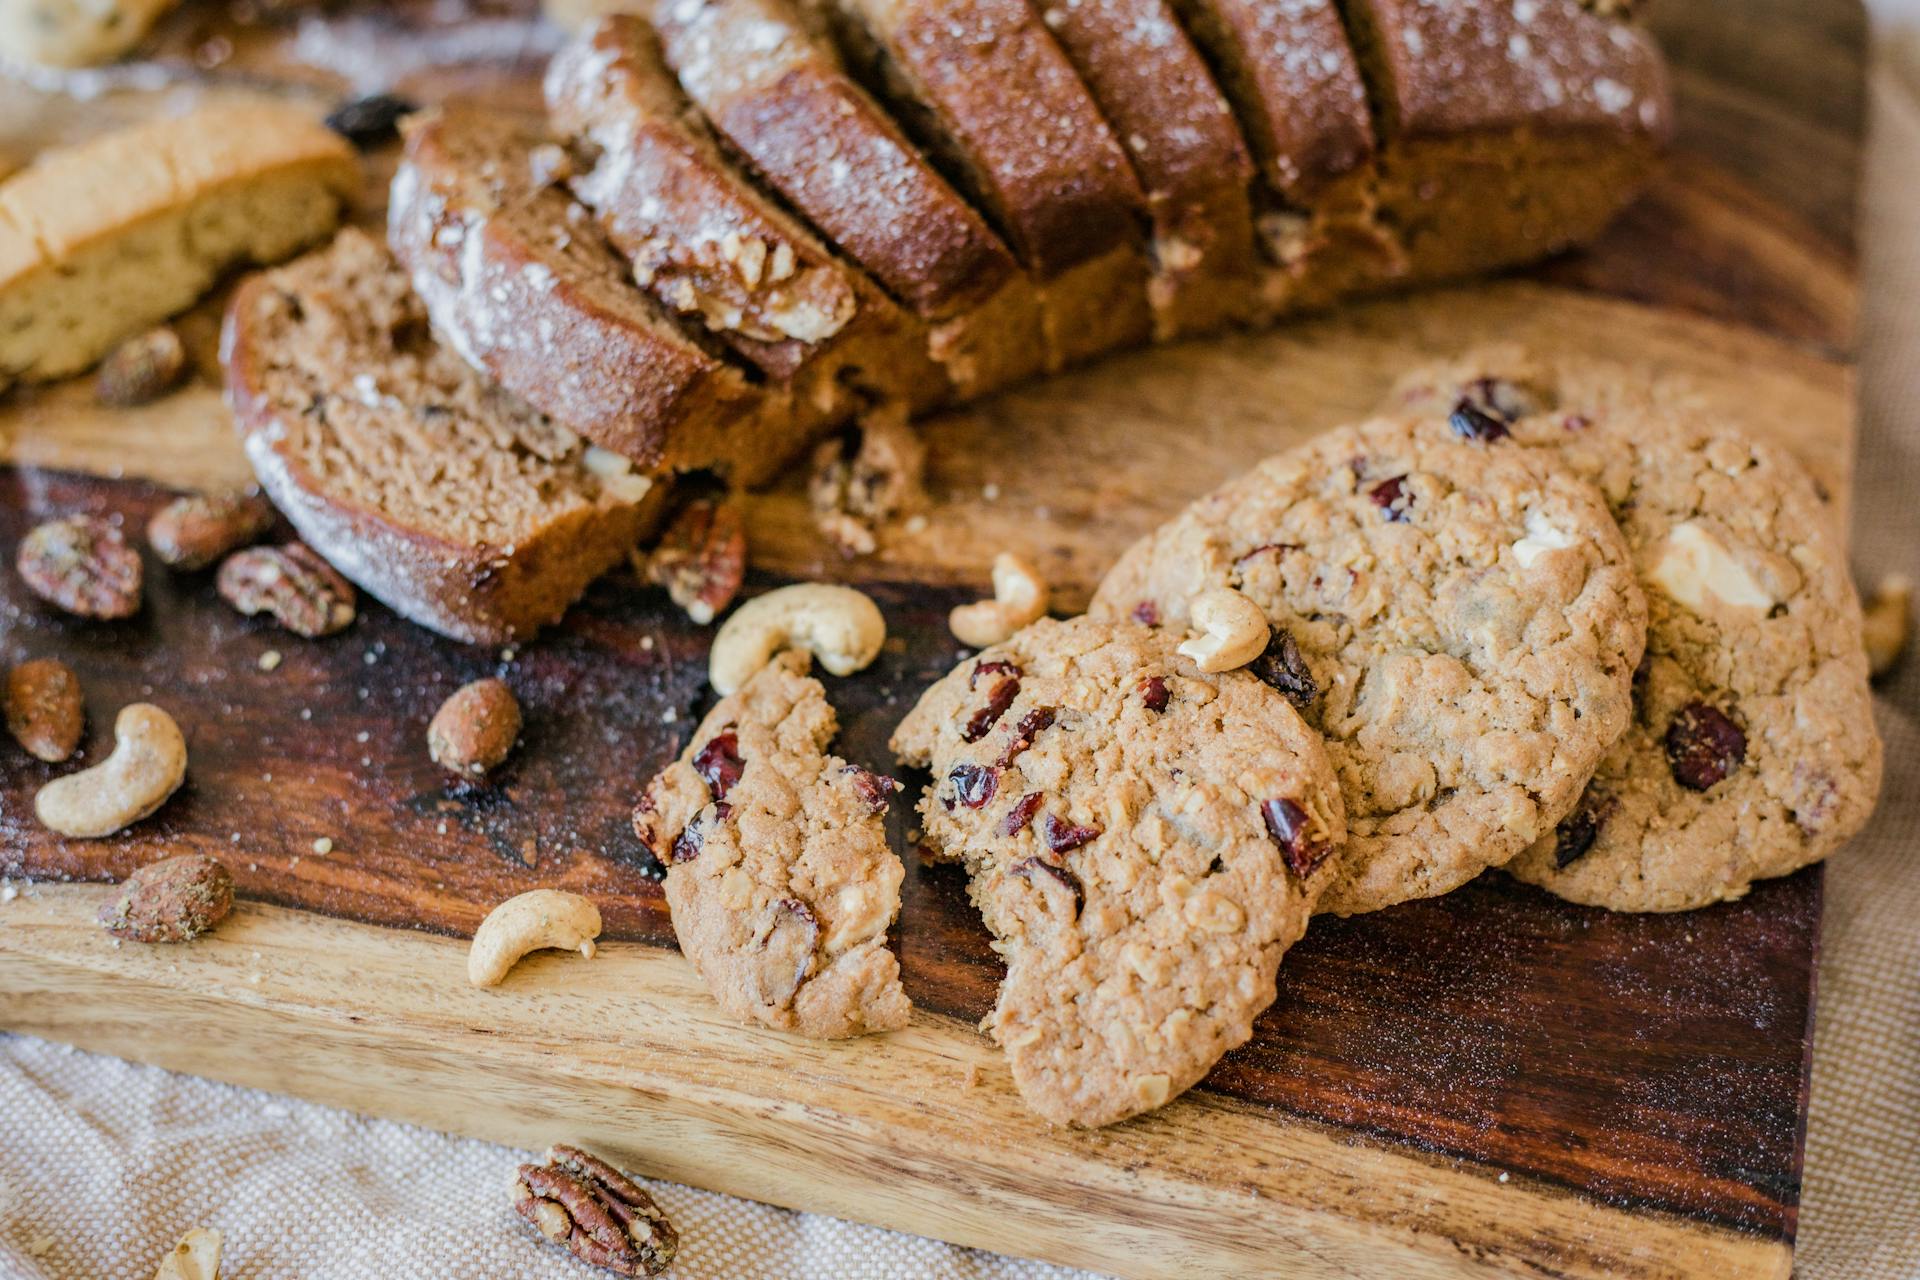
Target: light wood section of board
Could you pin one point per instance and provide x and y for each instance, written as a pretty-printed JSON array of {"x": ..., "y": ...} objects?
[{"x": 921, "y": 1129}]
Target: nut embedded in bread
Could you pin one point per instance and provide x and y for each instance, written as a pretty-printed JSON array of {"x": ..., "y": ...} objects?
[
  {"x": 434, "y": 491},
  {"x": 106, "y": 239}
]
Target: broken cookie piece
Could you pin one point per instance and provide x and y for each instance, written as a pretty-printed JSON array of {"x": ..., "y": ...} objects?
[
  {"x": 1144, "y": 840},
  {"x": 779, "y": 878}
]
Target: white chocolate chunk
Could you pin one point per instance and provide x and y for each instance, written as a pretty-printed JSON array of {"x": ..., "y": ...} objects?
[
  {"x": 1541, "y": 538},
  {"x": 1695, "y": 567}
]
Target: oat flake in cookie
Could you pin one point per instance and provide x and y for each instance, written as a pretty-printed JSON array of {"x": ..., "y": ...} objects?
[
  {"x": 1457, "y": 616},
  {"x": 779, "y": 877},
  {"x": 1143, "y": 840},
  {"x": 1752, "y": 751}
]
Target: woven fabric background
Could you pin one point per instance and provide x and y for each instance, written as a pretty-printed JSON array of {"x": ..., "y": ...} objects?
[{"x": 105, "y": 1164}]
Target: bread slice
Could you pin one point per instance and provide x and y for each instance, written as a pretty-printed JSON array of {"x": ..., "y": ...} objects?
[
  {"x": 1290, "y": 72},
  {"x": 986, "y": 90},
  {"x": 454, "y": 504},
  {"x": 103, "y": 240},
  {"x": 1507, "y": 132},
  {"x": 75, "y": 33},
  {"x": 773, "y": 88},
  {"x": 518, "y": 279},
  {"x": 1186, "y": 150},
  {"x": 707, "y": 245}
]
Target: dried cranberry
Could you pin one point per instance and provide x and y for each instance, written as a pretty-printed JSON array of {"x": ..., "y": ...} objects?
[
  {"x": 1392, "y": 499},
  {"x": 1021, "y": 814},
  {"x": 1470, "y": 422},
  {"x": 875, "y": 789},
  {"x": 1147, "y": 613},
  {"x": 1278, "y": 548},
  {"x": 719, "y": 764},
  {"x": 1575, "y": 422},
  {"x": 1027, "y": 867},
  {"x": 1287, "y": 824},
  {"x": 998, "y": 667},
  {"x": 372, "y": 120},
  {"x": 1281, "y": 665},
  {"x": 974, "y": 784},
  {"x": 1024, "y": 732},
  {"x": 999, "y": 698},
  {"x": 687, "y": 845},
  {"x": 1064, "y": 836},
  {"x": 1703, "y": 746},
  {"x": 1574, "y": 838},
  {"x": 1153, "y": 692}
]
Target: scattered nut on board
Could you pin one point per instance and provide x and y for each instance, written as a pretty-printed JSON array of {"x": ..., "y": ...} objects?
[
  {"x": 474, "y": 731},
  {"x": 1233, "y": 630},
  {"x": 195, "y": 531},
  {"x": 292, "y": 584},
  {"x": 838, "y": 625},
  {"x": 866, "y": 477},
  {"x": 173, "y": 900},
  {"x": 81, "y": 564},
  {"x": 599, "y": 1214},
  {"x": 701, "y": 559},
  {"x": 144, "y": 367},
  {"x": 148, "y": 764},
  {"x": 537, "y": 919},
  {"x": 1889, "y": 623},
  {"x": 1019, "y": 598},
  {"x": 44, "y": 710},
  {"x": 196, "y": 1257}
]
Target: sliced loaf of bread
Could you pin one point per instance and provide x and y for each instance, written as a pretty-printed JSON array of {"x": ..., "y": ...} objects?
[
  {"x": 773, "y": 88},
  {"x": 442, "y": 496},
  {"x": 518, "y": 278},
  {"x": 704, "y": 241},
  {"x": 983, "y": 87},
  {"x": 102, "y": 240}
]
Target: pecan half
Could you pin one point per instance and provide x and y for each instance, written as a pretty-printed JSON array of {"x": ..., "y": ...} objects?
[
  {"x": 81, "y": 564},
  {"x": 594, "y": 1211},
  {"x": 44, "y": 710},
  {"x": 701, "y": 559},
  {"x": 195, "y": 531},
  {"x": 291, "y": 583},
  {"x": 144, "y": 367}
]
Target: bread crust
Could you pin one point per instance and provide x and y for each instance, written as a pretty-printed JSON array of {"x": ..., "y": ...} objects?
[
  {"x": 477, "y": 593},
  {"x": 518, "y": 279}
]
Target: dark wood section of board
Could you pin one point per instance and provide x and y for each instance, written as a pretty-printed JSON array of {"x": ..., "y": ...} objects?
[{"x": 1648, "y": 1061}]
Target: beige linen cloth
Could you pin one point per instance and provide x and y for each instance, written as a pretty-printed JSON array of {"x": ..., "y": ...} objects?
[{"x": 104, "y": 1164}]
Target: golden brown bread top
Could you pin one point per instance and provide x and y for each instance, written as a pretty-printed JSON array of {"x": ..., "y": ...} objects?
[
  {"x": 983, "y": 86},
  {"x": 782, "y": 99}
]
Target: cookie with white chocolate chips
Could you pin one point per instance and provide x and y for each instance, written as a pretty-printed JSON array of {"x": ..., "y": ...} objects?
[
  {"x": 1459, "y": 618},
  {"x": 1144, "y": 841},
  {"x": 1752, "y": 751},
  {"x": 779, "y": 878}
]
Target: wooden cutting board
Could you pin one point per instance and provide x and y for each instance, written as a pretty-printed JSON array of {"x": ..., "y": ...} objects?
[{"x": 1487, "y": 1083}]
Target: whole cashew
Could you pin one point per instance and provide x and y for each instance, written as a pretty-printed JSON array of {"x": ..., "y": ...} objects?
[
  {"x": 1235, "y": 631},
  {"x": 533, "y": 920},
  {"x": 838, "y": 625},
  {"x": 1019, "y": 597},
  {"x": 148, "y": 763}
]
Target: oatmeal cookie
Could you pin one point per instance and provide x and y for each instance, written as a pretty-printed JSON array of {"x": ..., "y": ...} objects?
[
  {"x": 1459, "y": 619},
  {"x": 779, "y": 877},
  {"x": 1752, "y": 751},
  {"x": 1143, "y": 840}
]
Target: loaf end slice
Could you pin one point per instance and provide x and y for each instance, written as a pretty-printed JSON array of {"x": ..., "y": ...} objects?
[
  {"x": 710, "y": 247},
  {"x": 103, "y": 240},
  {"x": 437, "y": 493},
  {"x": 519, "y": 280}
]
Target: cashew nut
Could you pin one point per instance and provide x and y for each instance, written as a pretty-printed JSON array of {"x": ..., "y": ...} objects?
[
  {"x": 1889, "y": 623},
  {"x": 148, "y": 763},
  {"x": 1234, "y": 631},
  {"x": 838, "y": 625},
  {"x": 196, "y": 1257},
  {"x": 1019, "y": 597},
  {"x": 536, "y": 919}
]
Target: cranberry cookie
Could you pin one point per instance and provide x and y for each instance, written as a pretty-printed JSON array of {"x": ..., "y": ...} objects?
[
  {"x": 1143, "y": 840},
  {"x": 1459, "y": 619},
  {"x": 1752, "y": 751},
  {"x": 779, "y": 877}
]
